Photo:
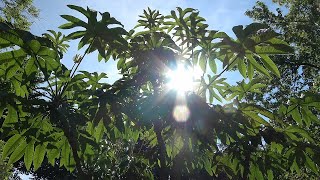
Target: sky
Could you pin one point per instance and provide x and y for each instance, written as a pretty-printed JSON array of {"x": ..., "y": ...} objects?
[{"x": 220, "y": 15}]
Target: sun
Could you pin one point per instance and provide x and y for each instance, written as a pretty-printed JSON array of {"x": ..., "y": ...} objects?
[{"x": 183, "y": 79}]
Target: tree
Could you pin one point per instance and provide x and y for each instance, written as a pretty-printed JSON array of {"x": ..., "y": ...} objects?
[
  {"x": 300, "y": 71},
  {"x": 299, "y": 27},
  {"x": 18, "y": 12},
  {"x": 137, "y": 127}
]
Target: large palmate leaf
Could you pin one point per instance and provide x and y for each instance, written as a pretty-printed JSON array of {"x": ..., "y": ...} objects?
[
  {"x": 151, "y": 19},
  {"x": 105, "y": 35},
  {"x": 25, "y": 47},
  {"x": 58, "y": 41},
  {"x": 254, "y": 41},
  {"x": 187, "y": 26}
]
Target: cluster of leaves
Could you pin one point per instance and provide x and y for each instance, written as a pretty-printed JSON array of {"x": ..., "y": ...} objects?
[
  {"x": 5, "y": 168},
  {"x": 299, "y": 27},
  {"x": 19, "y": 12},
  {"x": 127, "y": 129}
]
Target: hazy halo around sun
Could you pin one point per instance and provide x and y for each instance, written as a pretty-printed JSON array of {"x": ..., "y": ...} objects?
[{"x": 182, "y": 79}]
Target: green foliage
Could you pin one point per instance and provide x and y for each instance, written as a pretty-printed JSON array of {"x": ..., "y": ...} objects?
[
  {"x": 299, "y": 72},
  {"x": 127, "y": 129},
  {"x": 18, "y": 12},
  {"x": 5, "y": 168},
  {"x": 299, "y": 27}
]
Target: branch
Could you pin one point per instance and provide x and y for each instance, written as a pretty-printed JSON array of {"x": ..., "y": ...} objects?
[
  {"x": 226, "y": 68},
  {"x": 46, "y": 79},
  {"x": 306, "y": 64},
  {"x": 67, "y": 129},
  {"x": 162, "y": 153},
  {"x": 73, "y": 73}
]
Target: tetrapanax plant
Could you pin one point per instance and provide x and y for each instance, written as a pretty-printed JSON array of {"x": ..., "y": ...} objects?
[{"x": 137, "y": 127}]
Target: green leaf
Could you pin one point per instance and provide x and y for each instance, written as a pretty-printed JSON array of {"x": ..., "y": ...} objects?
[
  {"x": 18, "y": 152},
  {"x": 256, "y": 172},
  {"x": 242, "y": 68},
  {"x": 238, "y": 31},
  {"x": 250, "y": 71},
  {"x": 258, "y": 109},
  {"x": 4, "y": 43},
  {"x": 270, "y": 175},
  {"x": 52, "y": 154},
  {"x": 65, "y": 153},
  {"x": 214, "y": 94},
  {"x": 74, "y": 20},
  {"x": 30, "y": 66},
  {"x": 12, "y": 38},
  {"x": 76, "y": 35},
  {"x": 271, "y": 50},
  {"x": 207, "y": 166},
  {"x": 12, "y": 116},
  {"x": 203, "y": 62},
  {"x": 38, "y": 156},
  {"x": 257, "y": 66},
  {"x": 11, "y": 71},
  {"x": 253, "y": 28},
  {"x": 268, "y": 63},
  {"x": 120, "y": 63},
  {"x": 34, "y": 45},
  {"x": 28, "y": 156},
  {"x": 99, "y": 130},
  {"x": 11, "y": 55},
  {"x": 302, "y": 132},
  {"x": 12, "y": 144},
  {"x": 69, "y": 25},
  {"x": 311, "y": 164},
  {"x": 308, "y": 116},
  {"x": 52, "y": 64},
  {"x": 47, "y": 52},
  {"x": 295, "y": 167},
  {"x": 213, "y": 66},
  {"x": 79, "y": 9},
  {"x": 256, "y": 117},
  {"x": 256, "y": 86},
  {"x": 296, "y": 115},
  {"x": 220, "y": 35}
]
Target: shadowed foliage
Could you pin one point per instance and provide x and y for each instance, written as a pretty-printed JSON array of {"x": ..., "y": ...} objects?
[{"x": 127, "y": 129}]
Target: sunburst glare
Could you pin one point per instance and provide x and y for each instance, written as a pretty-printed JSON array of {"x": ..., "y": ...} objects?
[{"x": 183, "y": 79}]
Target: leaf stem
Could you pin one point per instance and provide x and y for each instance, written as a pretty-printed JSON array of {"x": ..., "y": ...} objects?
[
  {"x": 226, "y": 68},
  {"x": 46, "y": 79},
  {"x": 74, "y": 71}
]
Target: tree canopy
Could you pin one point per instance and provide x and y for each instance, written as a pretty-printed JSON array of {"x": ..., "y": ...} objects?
[
  {"x": 299, "y": 27},
  {"x": 19, "y": 12},
  {"x": 300, "y": 71},
  {"x": 138, "y": 126}
]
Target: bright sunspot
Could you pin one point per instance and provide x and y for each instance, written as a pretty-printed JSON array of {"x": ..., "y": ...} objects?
[{"x": 183, "y": 79}]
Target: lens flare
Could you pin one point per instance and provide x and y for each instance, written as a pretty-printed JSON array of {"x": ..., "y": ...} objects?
[{"x": 181, "y": 113}]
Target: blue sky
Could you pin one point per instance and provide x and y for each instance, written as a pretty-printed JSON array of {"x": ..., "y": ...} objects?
[{"x": 220, "y": 15}]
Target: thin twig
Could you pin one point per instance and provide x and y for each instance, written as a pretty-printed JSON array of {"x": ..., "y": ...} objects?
[
  {"x": 47, "y": 80},
  {"x": 306, "y": 64},
  {"x": 43, "y": 94},
  {"x": 226, "y": 68},
  {"x": 74, "y": 71}
]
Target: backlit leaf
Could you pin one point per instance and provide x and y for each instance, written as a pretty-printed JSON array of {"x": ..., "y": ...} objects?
[{"x": 39, "y": 154}]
